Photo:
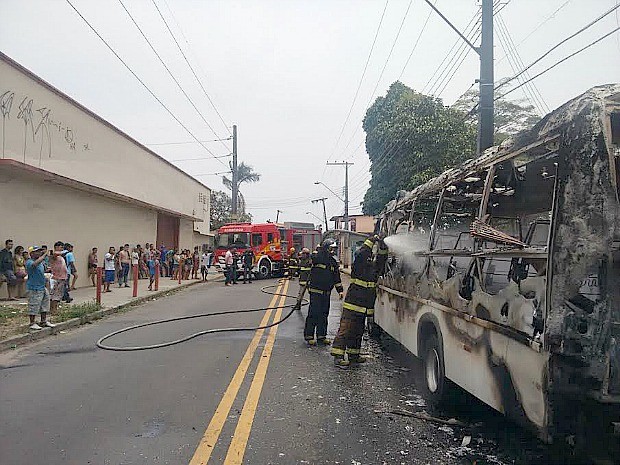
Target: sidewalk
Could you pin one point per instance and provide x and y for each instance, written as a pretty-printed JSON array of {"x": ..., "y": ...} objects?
[{"x": 14, "y": 325}]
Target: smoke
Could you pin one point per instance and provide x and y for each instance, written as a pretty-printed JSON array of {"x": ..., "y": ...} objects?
[{"x": 404, "y": 244}]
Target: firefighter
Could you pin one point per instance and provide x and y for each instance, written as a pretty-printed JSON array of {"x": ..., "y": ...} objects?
[
  {"x": 247, "y": 260},
  {"x": 293, "y": 266},
  {"x": 359, "y": 302},
  {"x": 324, "y": 276},
  {"x": 305, "y": 265}
]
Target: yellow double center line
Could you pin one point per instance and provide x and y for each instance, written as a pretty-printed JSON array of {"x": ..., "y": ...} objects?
[{"x": 239, "y": 442}]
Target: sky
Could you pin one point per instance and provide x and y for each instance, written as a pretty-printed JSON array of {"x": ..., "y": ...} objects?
[{"x": 287, "y": 72}]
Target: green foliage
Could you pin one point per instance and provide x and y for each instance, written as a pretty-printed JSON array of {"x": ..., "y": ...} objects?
[
  {"x": 410, "y": 138},
  {"x": 221, "y": 210},
  {"x": 510, "y": 117},
  {"x": 245, "y": 173},
  {"x": 67, "y": 312}
]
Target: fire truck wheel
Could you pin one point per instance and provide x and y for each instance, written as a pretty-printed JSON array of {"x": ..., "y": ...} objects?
[{"x": 264, "y": 269}]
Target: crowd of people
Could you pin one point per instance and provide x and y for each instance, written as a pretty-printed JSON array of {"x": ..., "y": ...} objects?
[
  {"x": 179, "y": 265},
  {"x": 46, "y": 277}
]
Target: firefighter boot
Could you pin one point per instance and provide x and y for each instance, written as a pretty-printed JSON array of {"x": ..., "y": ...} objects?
[
  {"x": 323, "y": 341},
  {"x": 357, "y": 359},
  {"x": 340, "y": 362},
  {"x": 310, "y": 341}
]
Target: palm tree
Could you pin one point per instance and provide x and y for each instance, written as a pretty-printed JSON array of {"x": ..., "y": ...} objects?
[{"x": 245, "y": 173}]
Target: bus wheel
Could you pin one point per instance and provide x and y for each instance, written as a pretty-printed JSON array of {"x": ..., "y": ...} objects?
[
  {"x": 264, "y": 269},
  {"x": 434, "y": 369}
]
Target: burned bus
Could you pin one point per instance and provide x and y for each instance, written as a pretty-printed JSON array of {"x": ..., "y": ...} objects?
[{"x": 504, "y": 274}]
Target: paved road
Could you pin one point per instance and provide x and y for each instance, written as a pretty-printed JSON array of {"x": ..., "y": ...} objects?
[{"x": 252, "y": 397}]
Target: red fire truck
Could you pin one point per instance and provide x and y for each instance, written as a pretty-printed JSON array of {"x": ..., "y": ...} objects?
[{"x": 270, "y": 243}]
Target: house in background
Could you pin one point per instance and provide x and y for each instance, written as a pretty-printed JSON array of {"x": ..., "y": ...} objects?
[{"x": 358, "y": 223}]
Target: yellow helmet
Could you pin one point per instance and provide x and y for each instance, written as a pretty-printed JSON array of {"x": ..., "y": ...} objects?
[{"x": 292, "y": 250}]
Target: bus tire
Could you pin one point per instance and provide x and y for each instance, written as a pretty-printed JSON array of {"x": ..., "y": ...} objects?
[
  {"x": 264, "y": 269},
  {"x": 435, "y": 382}
]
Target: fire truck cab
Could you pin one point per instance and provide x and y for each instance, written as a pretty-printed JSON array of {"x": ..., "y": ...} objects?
[{"x": 270, "y": 244}]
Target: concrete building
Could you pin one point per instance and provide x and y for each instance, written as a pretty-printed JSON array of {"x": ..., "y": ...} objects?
[
  {"x": 67, "y": 174},
  {"x": 358, "y": 223}
]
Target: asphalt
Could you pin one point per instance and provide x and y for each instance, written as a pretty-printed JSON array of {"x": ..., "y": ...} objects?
[{"x": 63, "y": 401}]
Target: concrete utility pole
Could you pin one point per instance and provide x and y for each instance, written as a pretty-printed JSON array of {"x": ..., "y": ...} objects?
[
  {"x": 235, "y": 187},
  {"x": 485, "y": 51},
  {"x": 323, "y": 199},
  {"x": 485, "y": 117},
  {"x": 346, "y": 165}
]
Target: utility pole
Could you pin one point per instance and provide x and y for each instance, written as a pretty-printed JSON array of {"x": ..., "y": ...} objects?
[
  {"x": 323, "y": 199},
  {"x": 346, "y": 165},
  {"x": 485, "y": 51},
  {"x": 235, "y": 187},
  {"x": 485, "y": 117},
  {"x": 278, "y": 214}
]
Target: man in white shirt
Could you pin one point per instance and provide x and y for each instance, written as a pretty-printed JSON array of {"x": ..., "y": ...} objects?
[
  {"x": 204, "y": 265},
  {"x": 229, "y": 260},
  {"x": 110, "y": 269}
]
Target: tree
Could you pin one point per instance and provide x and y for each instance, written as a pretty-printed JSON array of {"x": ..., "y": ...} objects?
[
  {"x": 245, "y": 173},
  {"x": 221, "y": 210},
  {"x": 411, "y": 137},
  {"x": 510, "y": 116}
]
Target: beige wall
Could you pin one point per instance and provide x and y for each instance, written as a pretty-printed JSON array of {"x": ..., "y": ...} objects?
[
  {"x": 45, "y": 130},
  {"x": 34, "y": 212}
]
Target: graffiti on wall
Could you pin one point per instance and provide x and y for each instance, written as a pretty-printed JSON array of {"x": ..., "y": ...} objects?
[{"x": 39, "y": 131}]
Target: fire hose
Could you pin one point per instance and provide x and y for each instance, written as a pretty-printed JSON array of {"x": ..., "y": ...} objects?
[{"x": 263, "y": 289}]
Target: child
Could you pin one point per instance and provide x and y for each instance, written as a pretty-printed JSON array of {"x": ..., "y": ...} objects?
[{"x": 152, "y": 263}]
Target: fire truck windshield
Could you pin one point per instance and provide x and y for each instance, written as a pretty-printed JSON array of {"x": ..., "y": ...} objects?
[{"x": 239, "y": 239}]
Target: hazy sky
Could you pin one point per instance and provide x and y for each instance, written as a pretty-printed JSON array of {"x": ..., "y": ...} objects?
[{"x": 286, "y": 73}]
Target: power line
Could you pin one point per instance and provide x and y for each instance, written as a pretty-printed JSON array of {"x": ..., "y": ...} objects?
[
  {"x": 141, "y": 81},
  {"x": 200, "y": 158},
  {"x": 561, "y": 61},
  {"x": 188, "y": 142},
  {"x": 611, "y": 10},
  {"x": 382, "y": 71},
  {"x": 415, "y": 45},
  {"x": 515, "y": 62},
  {"x": 359, "y": 85},
  {"x": 192, "y": 69},
  {"x": 545, "y": 21},
  {"x": 169, "y": 72},
  {"x": 457, "y": 43}
]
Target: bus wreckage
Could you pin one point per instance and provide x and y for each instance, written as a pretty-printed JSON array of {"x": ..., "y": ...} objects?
[{"x": 504, "y": 274}]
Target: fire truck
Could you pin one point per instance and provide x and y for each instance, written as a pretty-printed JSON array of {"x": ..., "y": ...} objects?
[{"x": 270, "y": 243}]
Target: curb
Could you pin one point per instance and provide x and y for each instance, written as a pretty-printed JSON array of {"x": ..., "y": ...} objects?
[{"x": 21, "y": 339}]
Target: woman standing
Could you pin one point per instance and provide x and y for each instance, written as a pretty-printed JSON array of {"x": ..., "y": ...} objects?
[{"x": 19, "y": 267}]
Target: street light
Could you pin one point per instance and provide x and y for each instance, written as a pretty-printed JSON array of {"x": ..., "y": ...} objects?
[
  {"x": 329, "y": 189},
  {"x": 310, "y": 213}
]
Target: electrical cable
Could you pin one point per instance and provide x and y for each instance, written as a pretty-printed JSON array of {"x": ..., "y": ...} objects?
[
  {"x": 176, "y": 81},
  {"x": 545, "y": 21},
  {"x": 517, "y": 62},
  {"x": 387, "y": 60},
  {"x": 191, "y": 68},
  {"x": 359, "y": 85},
  {"x": 263, "y": 289},
  {"x": 141, "y": 81},
  {"x": 561, "y": 61},
  {"x": 611, "y": 10}
]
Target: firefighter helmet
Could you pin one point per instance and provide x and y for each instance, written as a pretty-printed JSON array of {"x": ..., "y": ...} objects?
[
  {"x": 329, "y": 244},
  {"x": 292, "y": 250},
  {"x": 305, "y": 250}
]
